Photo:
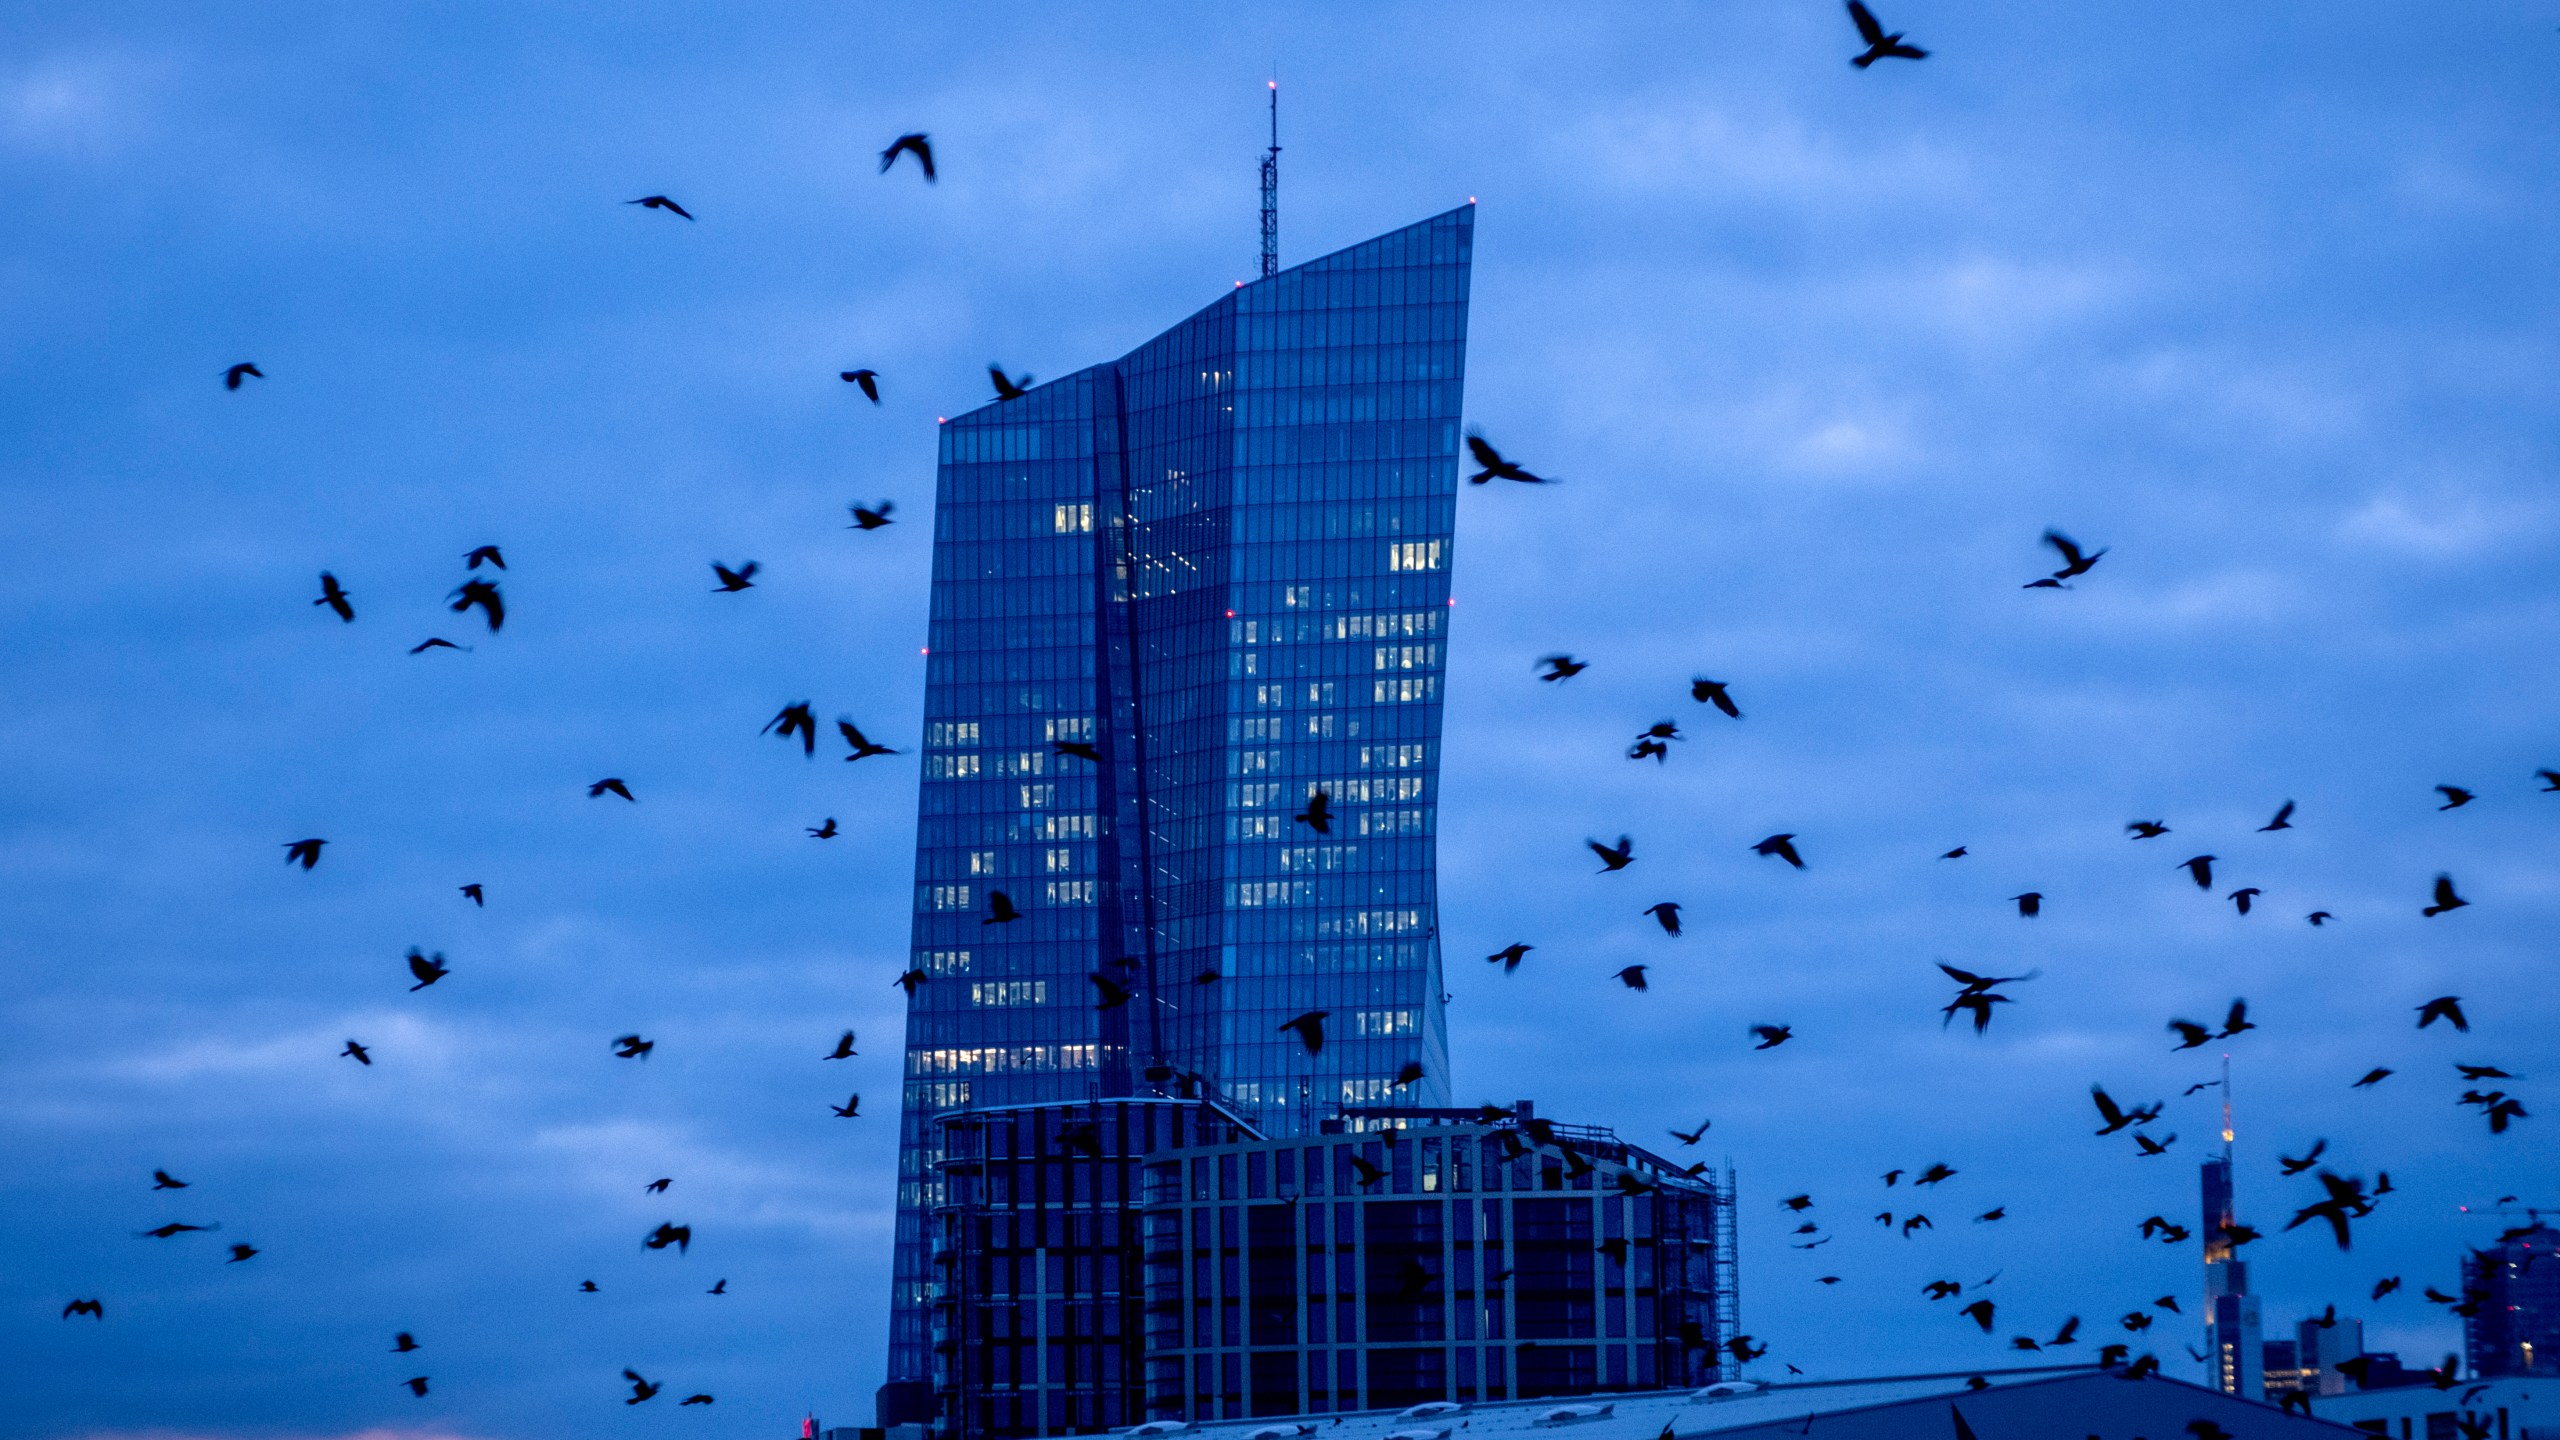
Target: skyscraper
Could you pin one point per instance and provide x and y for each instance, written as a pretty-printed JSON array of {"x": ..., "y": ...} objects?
[
  {"x": 2234, "y": 1334},
  {"x": 2515, "y": 1327},
  {"x": 1182, "y": 714}
]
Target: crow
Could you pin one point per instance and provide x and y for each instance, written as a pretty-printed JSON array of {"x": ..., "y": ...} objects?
[
  {"x": 2146, "y": 829},
  {"x": 871, "y": 517},
  {"x": 587, "y": 1287},
  {"x": 480, "y": 553},
  {"x": 1980, "y": 1312},
  {"x": 2455, "y": 797},
  {"x": 1667, "y": 913},
  {"x": 1957, "y": 853},
  {"x": 417, "y": 1384},
  {"x": 90, "y": 1308},
  {"x": 1369, "y": 1174},
  {"x": 240, "y": 1252},
  {"x": 232, "y": 377},
  {"x": 362, "y": 1055},
  {"x": 1692, "y": 1137},
  {"x": 1562, "y": 667},
  {"x": 1996, "y": 1212},
  {"x": 659, "y": 1185},
  {"x": 2074, "y": 562},
  {"x": 827, "y": 831},
  {"x": 2190, "y": 1034},
  {"x": 1714, "y": 692},
  {"x": 403, "y": 1343},
  {"x": 1884, "y": 46},
  {"x": 174, "y": 1227},
  {"x": 2444, "y": 1007},
  {"x": 869, "y": 380},
  {"x": 1653, "y": 749},
  {"x": 1772, "y": 1036},
  {"x": 640, "y": 1389},
  {"x": 668, "y": 1233},
  {"x": 306, "y": 851},
  {"x": 428, "y": 968},
  {"x": 1318, "y": 816},
  {"x": 1409, "y": 1073},
  {"x": 2319, "y": 918},
  {"x": 2346, "y": 1200},
  {"x": 2147, "y": 1146},
  {"x": 914, "y": 143},
  {"x": 1632, "y": 977},
  {"x": 2236, "y": 1020},
  {"x": 474, "y": 894},
  {"x": 1008, "y": 388},
  {"x": 2030, "y": 904},
  {"x": 1111, "y": 993},
  {"x": 863, "y": 747},
  {"x": 2310, "y": 1157},
  {"x": 695, "y": 1400},
  {"x": 1000, "y": 909},
  {"x": 2469, "y": 1072},
  {"x": 2550, "y": 781},
  {"x": 795, "y": 717},
  {"x": 2283, "y": 820},
  {"x": 632, "y": 1047},
  {"x": 2242, "y": 896},
  {"x": 163, "y": 1180},
  {"x": 1942, "y": 1289},
  {"x": 844, "y": 1048},
  {"x": 335, "y": 597},
  {"x": 2201, "y": 867},
  {"x": 733, "y": 581},
  {"x": 435, "y": 642},
  {"x": 1934, "y": 1174},
  {"x": 1080, "y": 749},
  {"x": 1510, "y": 956},
  {"x": 614, "y": 785},
  {"x": 1494, "y": 467},
  {"x": 2445, "y": 898},
  {"x": 1782, "y": 846},
  {"x": 850, "y": 1109},
  {"x": 1613, "y": 858},
  {"x": 1310, "y": 1029},
  {"x": 719, "y": 1286},
  {"x": 660, "y": 202},
  {"x": 908, "y": 980},
  {"x": 2117, "y": 1118},
  {"x": 493, "y": 606}
]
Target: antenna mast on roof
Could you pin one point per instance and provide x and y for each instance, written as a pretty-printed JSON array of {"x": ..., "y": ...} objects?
[{"x": 1271, "y": 191}]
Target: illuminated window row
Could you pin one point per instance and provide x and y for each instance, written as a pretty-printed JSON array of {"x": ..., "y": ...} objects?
[
  {"x": 1003, "y": 1059},
  {"x": 1009, "y": 992}
]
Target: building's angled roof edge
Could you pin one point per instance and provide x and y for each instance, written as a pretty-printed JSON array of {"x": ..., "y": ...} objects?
[{"x": 1227, "y": 299}]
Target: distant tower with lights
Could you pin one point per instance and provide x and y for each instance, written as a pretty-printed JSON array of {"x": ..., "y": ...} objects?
[
  {"x": 1271, "y": 192},
  {"x": 2234, "y": 1340}
]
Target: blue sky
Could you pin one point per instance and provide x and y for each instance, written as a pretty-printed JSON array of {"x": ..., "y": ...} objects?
[{"x": 2260, "y": 300}]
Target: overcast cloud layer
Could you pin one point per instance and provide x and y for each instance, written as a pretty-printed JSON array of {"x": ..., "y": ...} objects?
[{"x": 2261, "y": 299}]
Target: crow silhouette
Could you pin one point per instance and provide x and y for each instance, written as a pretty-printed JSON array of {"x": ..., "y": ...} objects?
[
  {"x": 640, "y": 1389},
  {"x": 1318, "y": 816},
  {"x": 2445, "y": 898},
  {"x": 1782, "y": 846},
  {"x": 475, "y": 895},
  {"x": 795, "y": 717},
  {"x": 863, "y": 746},
  {"x": 1561, "y": 667},
  {"x": 483, "y": 553},
  {"x": 335, "y": 597},
  {"x": 306, "y": 851},
  {"x": 2282, "y": 821},
  {"x": 632, "y": 1047},
  {"x": 1882, "y": 45},
  {"x": 1716, "y": 693},
  {"x": 2146, "y": 829},
  {"x": 1310, "y": 1029},
  {"x": 851, "y": 1109},
  {"x": 1510, "y": 956},
  {"x": 1613, "y": 858},
  {"x": 611, "y": 784},
  {"x": 1000, "y": 909},
  {"x": 361, "y": 1054},
  {"x": 2201, "y": 868},
  {"x": 232, "y": 377},
  {"x": 1632, "y": 977},
  {"x": 1008, "y": 388},
  {"x": 1772, "y": 1036},
  {"x": 914, "y": 143},
  {"x": 2446, "y": 1008},
  {"x": 1492, "y": 466},
  {"x": 669, "y": 1233},
  {"x": 428, "y": 968},
  {"x": 869, "y": 380},
  {"x": 732, "y": 581},
  {"x": 660, "y": 202},
  {"x": 871, "y": 517},
  {"x": 493, "y": 606},
  {"x": 1667, "y": 914}
]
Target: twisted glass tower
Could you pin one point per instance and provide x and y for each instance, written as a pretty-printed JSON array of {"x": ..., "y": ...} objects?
[{"x": 1175, "y": 597}]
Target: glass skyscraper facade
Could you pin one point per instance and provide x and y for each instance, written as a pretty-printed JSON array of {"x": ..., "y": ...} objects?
[{"x": 1174, "y": 597}]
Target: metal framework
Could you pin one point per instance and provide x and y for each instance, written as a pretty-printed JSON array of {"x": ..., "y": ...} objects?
[{"x": 1271, "y": 192}]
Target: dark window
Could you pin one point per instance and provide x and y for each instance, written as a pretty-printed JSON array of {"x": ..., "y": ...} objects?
[
  {"x": 1406, "y": 1377},
  {"x": 1557, "y": 1370}
]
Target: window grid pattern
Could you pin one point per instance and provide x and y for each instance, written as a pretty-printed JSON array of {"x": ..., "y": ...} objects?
[{"x": 1223, "y": 562}]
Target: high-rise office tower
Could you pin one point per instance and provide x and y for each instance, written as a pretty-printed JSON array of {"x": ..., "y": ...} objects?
[
  {"x": 2515, "y": 1328},
  {"x": 1178, "y": 600},
  {"x": 2234, "y": 1334}
]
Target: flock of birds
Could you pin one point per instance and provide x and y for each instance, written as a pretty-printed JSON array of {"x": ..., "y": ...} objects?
[
  {"x": 2342, "y": 1199},
  {"x": 480, "y": 591}
]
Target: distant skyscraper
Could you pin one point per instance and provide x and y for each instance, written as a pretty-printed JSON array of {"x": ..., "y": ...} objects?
[
  {"x": 1177, "y": 600},
  {"x": 2516, "y": 1328},
  {"x": 2233, "y": 1333}
]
